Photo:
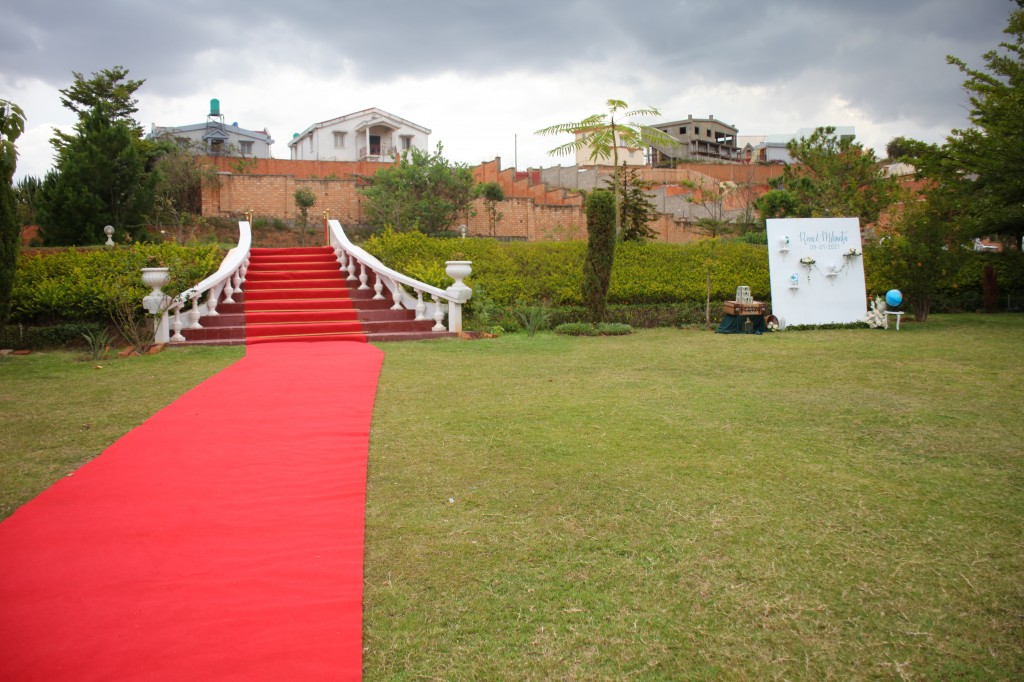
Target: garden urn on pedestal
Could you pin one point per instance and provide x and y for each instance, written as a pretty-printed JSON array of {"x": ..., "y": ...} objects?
[{"x": 155, "y": 302}]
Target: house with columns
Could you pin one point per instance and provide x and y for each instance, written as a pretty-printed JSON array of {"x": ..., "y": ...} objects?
[{"x": 369, "y": 135}]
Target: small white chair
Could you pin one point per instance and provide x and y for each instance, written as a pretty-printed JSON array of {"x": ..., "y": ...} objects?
[{"x": 895, "y": 313}]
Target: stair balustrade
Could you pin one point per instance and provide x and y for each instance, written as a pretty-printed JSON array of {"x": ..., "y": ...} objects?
[
  {"x": 221, "y": 287},
  {"x": 361, "y": 266}
]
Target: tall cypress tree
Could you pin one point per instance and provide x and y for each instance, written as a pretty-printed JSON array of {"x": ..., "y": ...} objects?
[
  {"x": 597, "y": 268},
  {"x": 12, "y": 124},
  {"x": 102, "y": 175}
]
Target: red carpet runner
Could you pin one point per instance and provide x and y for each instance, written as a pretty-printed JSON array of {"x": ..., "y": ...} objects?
[
  {"x": 298, "y": 294},
  {"x": 220, "y": 540}
]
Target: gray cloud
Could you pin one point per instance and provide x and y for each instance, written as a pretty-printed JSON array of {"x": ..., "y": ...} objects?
[{"x": 885, "y": 57}]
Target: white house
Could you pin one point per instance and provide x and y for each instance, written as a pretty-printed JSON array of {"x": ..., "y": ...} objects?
[
  {"x": 368, "y": 135},
  {"x": 215, "y": 138},
  {"x": 772, "y": 149}
]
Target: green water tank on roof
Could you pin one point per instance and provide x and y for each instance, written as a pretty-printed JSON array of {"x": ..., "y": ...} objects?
[{"x": 214, "y": 107}]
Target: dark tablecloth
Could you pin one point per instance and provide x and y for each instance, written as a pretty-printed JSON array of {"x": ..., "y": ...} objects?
[{"x": 733, "y": 324}]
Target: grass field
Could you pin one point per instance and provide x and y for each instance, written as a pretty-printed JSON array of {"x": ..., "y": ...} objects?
[
  {"x": 58, "y": 410},
  {"x": 680, "y": 505},
  {"x": 669, "y": 505}
]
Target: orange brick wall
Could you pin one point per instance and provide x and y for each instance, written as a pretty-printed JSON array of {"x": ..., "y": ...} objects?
[
  {"x": 273, "y": 196},
  {"x": 299, "y": 169},
  {"x": 533, "y": 212}
]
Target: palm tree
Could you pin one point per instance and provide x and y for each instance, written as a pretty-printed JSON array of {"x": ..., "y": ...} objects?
[{"x": 603, "y": 134}]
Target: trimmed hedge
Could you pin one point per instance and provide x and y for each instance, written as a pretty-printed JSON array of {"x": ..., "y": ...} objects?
[
  {"x": 653, "y": 283},
  {"x": 76, "y": 285},
  {"x": 652, "y": 273}
]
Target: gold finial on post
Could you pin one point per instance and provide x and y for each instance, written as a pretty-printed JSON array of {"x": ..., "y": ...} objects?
[
  {"x": 248, "y": 217},
  {"x": 327, "y": 232}
]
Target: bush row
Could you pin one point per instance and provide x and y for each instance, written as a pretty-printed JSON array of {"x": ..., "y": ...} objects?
[
  {"x": 76, "y": 285},
  {"x": 552, "y": 272},
  {"x": 652, "y": 283},
  {"x": 961, "y": 290}
]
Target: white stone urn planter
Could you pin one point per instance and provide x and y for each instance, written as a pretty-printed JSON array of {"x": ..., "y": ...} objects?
[
  {"x": 459, "y": 270},
  {"x": 155, "y": 278},
  {"x": 156, "y": 301}
]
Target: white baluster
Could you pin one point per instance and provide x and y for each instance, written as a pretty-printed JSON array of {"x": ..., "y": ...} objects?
[
  {"x": 228, "y": 291},
  {"x": 351, "y": 270},
  {"x": 176, "y": 325},
  {"x": 438, "y": 316},
  {"x": 362, "y": 276},
  {"x": 211, "y": 301},
  {"x": 237, "y": 281},
  {"x": 378, "y": 286},
  {"x": 193, "y": 314},
  {"x": 421, "y": 307},
  {"x": 396, "y": 295}
]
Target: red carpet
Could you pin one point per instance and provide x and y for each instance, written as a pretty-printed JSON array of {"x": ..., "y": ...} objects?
[
  {"x": 298, "y": 294},
  {"x": 220, "y": 540}
]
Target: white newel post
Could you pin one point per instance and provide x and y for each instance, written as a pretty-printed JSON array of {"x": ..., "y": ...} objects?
[
  {"x": 155, "y": 302},
  {"x": 458, "y": 270}
]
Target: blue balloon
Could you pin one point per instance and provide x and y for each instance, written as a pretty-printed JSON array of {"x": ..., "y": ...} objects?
[{"x": 893, "y": 298}]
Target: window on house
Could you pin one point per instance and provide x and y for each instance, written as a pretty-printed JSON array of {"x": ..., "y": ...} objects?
[
  {"x": 709, "y": 132},
  {"x": 696, "y": 130},
  {"x": 682, "y": 131},
  {"x": 245, "y": 147},
  {"x": 406, "y": 142},
  {"x": 310, "y": 143},
  {"x": 339, "y": 139}
]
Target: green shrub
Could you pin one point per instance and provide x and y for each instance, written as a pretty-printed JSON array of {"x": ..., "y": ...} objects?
[
  {"x": 828, "y": 325},
  {"x": 576, "y": 329},
  {"x": 79, "y": 284},
  {"x": 27, "y": 337},
  {"x": 589, "y": 329},
  {"x": 650, "y": 274},
  {"x": 614, "y": 329},
  {"x": 533, "y": 318}
]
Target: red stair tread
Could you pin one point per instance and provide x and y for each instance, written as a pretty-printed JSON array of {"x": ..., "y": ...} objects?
[{"x": 302, "y": 294}]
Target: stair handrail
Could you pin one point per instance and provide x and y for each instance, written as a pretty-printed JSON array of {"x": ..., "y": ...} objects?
[
  {"x": 351, "y": 256},
  {"x": 227, "y": 280}
]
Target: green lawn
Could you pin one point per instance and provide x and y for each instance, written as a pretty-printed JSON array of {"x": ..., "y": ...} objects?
[
  {"x": 669, "y": 505},
  {"x": 58, "y": 410},
  {"x": 681, "y": 505}
]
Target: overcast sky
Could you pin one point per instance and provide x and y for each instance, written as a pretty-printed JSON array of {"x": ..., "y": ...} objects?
[{"x": 483, "y": 75}]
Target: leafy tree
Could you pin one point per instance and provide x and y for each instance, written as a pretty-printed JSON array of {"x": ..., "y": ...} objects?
[
  {"x": 923, "y": 250},
  {"x": 597, "y": 268},
  {"x": 101, "y": 177},
  {"x": 25, "y": 192},
  {"x": 984, "y": 162},
  {"x": 899, "y": 148},
  {"x": 109, "y": 88},
  {"x": 602, "y": 134},
  {"x": 181, "y": 176},
  {"x": 833, "y": 177},
  {"x": 636, "y": 210},
  {"x": 103, "y": 173},
  {"x": 423, "y": 191},
  {"x": 492, "y": 193},
  {"x": 304, "y": 200},
  {"x": 776, "y": 203},
  {"x": 12, "y": 125}
]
